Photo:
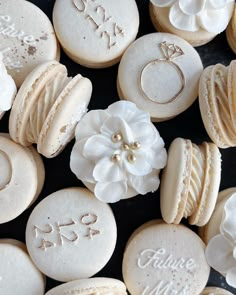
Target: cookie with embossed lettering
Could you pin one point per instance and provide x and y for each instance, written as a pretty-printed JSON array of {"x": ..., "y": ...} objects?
[
  {"x": 154, "y": 73},
  {"x": 27, "y": 38},
  {"x": 164, "y": 258},
  {"x": 217, "y": 97},
  {"x": 18, "y": 274},
  {"x": 95, "y": 33},
  {"x": 18, "y": 190},
  {"x": 101, "y": 286},
  {"x": 215, "y": 291},
  {"x": 71, "y": 235},
  {"x": 190, "y": 182}
]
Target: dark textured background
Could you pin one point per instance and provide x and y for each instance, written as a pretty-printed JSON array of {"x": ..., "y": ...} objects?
[{"x": 130, "y": 213}]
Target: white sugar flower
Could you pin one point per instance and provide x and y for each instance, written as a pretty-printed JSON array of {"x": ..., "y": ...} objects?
[
  {"x": 221, "y": 249},
  {"x": 191, "y": 15},
  {"x": 7, "y": 88},
  {"x": 118, "y": 152}
]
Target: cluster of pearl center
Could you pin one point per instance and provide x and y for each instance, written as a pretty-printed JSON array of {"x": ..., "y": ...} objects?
[{"x": 130, "y": 148}]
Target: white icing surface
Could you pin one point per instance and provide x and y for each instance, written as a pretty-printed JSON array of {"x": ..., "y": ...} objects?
[
  {"x": 128, "y": 153},
  {"x": 193, "y": 15},
  {"x": 7, "y": 88}
]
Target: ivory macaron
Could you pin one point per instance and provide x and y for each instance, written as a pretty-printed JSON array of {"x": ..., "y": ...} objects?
[
  {"x": 27, "y": 38},
  {"x": 47, "y": 108},
  {"x": 162, "y": 258},
  {"x": 22, "y": 178},
  {"x": 231, "y": 31},
  {"x": 18, "y": 274},
  {"x": 95, "y": 33},
  {"x": 193, "y": 21},
  {"x": 215, "y": 291},
  {"x": 97, "y": 285},
  {"x": 71, "y": 235},
  {"x": 154, "y": 73},
  {"x": 190, "y": 182},
  {"x": 217, "y": 103}
]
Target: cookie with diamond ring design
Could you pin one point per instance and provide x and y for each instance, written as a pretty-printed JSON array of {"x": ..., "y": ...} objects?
[
  {"x": 154, "y": 73},
  {"x": 170, "y": 52}
]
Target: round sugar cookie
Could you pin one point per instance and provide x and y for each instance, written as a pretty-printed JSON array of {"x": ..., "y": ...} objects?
[
  {"x": 18, "y": 274},
  {"x": 90, "y": 287},
  {"x": 27, "y": 38},
  {"x": 165, "y": 258},
  {"x": 71, "y": 235},
  {"x": 154, "y": 73},
  {"x": 22, "y": 178},
  {"x": 95, "y": 33}
]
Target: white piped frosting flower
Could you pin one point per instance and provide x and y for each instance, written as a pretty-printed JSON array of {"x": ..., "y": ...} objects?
[
  {"x": 192, "y": 15},
  {"x": 118, "y": 152},
  {"x": 7, "y": 88},
  {"x": 221, "y": 249}
]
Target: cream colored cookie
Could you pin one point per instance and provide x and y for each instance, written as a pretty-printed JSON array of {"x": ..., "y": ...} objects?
[
  {"x": 193, "y": 21},
  {"x": 95, "y": 33},
  {"x": 18, "y": 274},
  {"x": 217, "y": 95},
  {"x": 212, "y": 228},
  {"x": 47, "y": 108},
  {"x": 215, "y": 291},
  {"x": 231, "y": 31},
  {"x": 165, "y": 259},
  {"x": 154, "y": 73},
  {"x": 27, "y": 38},
  {"x": 190, "y": 182},
  {"x": 22, "y": 178},
  {"x": 71, "y": 235},
  {"x": 101, "y": 286}
]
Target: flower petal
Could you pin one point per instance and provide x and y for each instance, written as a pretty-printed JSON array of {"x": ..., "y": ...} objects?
[
  {"x": 145, "y": 184},
  {"x": 140, "y": 166},
  {"x": 145, "y": 133},
  {"x": 110, "y": 192},
  {"x": 107, "y": 171},
  {"x": 116, "y": 125},
  {"x": 231, "y": 277},
  {"x": 98, "y": 146},
  {"x": 228, "y": 224},
  {"x": 208, "y": 18},
  {"x": 79, "y": 165},
  {"x": 162, "y": 3},
  {"x": 215, "y": 4},
  {"x": 191, "y": 7},
  {"x": 157, "y": 157},
  {"x": 181, "y": 20},
  {"x": 219, "y": 254},
  {"x": 90, "y": 124},
  {"x": 128, "y": 111}
]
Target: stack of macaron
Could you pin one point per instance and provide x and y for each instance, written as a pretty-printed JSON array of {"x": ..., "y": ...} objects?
[{"x": 119, "y": 151}]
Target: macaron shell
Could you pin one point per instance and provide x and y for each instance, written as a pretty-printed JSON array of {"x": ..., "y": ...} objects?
[
  {"x": 210, "y": 187},
  {"x": 39, "y": 44},
  {"x": 144, "y": 68},
  {"x": 90, "y": 287},
  {"x": 64, "y": 115},
  {"x": 231, "y": 31},
  {"x": 95, "y": 34},
  {"x": 27, "y": 97},
  {"x": 215, "y": 291},
  {"x": 175, "y": 178},
  {"x": 17, "y": 195},
  {"x": 160, "y": 19}
]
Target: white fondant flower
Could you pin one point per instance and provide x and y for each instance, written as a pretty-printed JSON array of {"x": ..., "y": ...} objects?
[
  {"x": 118, "y": 152},
  {"x": 191, "y": 15},
  {"x": 221, "y": 249},
  {"x": 7, "y": 88}
]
